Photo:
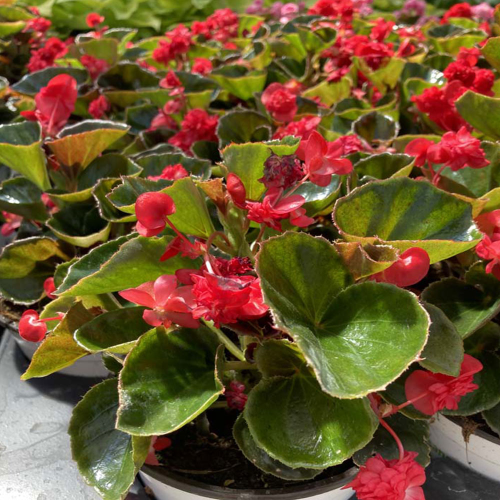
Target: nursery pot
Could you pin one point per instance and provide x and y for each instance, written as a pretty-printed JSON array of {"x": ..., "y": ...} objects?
[
  {"x": 88, "y": 366},
  {"x": 481, "y": 453},
  {"x": 170, "y": 486}
]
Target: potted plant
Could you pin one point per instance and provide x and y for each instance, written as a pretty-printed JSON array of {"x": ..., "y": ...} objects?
[{"x": 268, "y": 229}]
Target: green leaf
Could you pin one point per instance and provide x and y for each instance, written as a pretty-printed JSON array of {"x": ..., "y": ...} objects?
[
  {"x": 241, "y": 126},
  {"x": 492, "y": 417},
  {"x": 330, "y": 93},
  {"x": 444, "y": 351},
  {"x": 491, "y": 52},
  {"x": 7, "y": 29},
  {"x": 120, "y": 264},
  {"x": 25, "y": 265},
  {"x": 488, "y": 394},
  {"x": 21, "y": 150},
  {"x": 487, "y": 338},
  {"x": 296, "y": 423},
  {"x": 247, "y": 161},
  {"x": 82, "y": 143},
  {"x": 116, "y": 331},
  {"x": 374, "y": 127},
  {"x": 343, "y": 334},
  {"x": 385, "y": 165},
  {"x": 320, "y": 200},
  {"x": 239, "y": 82},
  {"x": 406, "y": 213},
  {"x": 32, "y": 83},
  {"x": 482, "y": 112},
  {"x": 101, "y": 48},
  {"x": 59, "y": 349},
  {"x": 107, "y": 458},
  {"x": 469, "y": 304},
  {"x": 22, "y": 197},
  {"x": 80, "y": 225},
  {"x": 128, "y": 76},
  {"x": 153, "y": 164},
  {"x": 414, "y": 435},
  {"x": 262, "y": 460},
  {"x": 384, "y": 78},
  {"x": 106, "y": 209},
  {"x": 168, "y": 379}
]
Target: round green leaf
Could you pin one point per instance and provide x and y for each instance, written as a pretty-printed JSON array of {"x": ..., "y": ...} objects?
[
  {"x": 22, "y": 197},
  {"x": 408, "y": 213},
  {"x": 167, "y": 380},
  {"x": 482, "y": 112},
  {"x": 492, "y": 417},
  {"x": 32, "y": 83},
  {"x": 241, "y": 126}
]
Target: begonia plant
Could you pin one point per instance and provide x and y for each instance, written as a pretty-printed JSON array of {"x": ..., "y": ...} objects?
[{"x": 290, "y": 215}]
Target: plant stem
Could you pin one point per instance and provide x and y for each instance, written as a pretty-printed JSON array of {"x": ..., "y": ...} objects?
[
  {"x": 239, "y": 366},
  {"x": 228, "y": 344}
]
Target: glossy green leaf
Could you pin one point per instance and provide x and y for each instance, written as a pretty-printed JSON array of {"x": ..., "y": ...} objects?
[
  {"x": 116, "y": 331},
  {"x": 21, "y": 150},
  {"x": 154, "y": 164},
  {"x": 128, "y": 76},
  {"x": 320, "y": 200},
  {"x": 247, "y": 161},
  {"x": 239, "y": 82},
  {"x": 110, "y": 462},
  {"x": 492, "y": 417},
  {"x": 168, "y": 379},
  {"x": 101, "y": 48},
  {"x": 22, "y": 197},
  {"x": 330, "y": 93},
  {"x": 385, "y": 165},
  {"x": 7, "y": 29},
  {"x": 262, "y": 460},
  {"x": 487, "y": 395},
  {"x": 444, "y": 351},
  {"x": 491, "y": 52},
  {"x": 487, "y": 338},
  {"x": 241, "y": 126},
  {"x": 384, "y": 78},
  {"x": 82, "y": 143},
  {"x": 406, "y": 213},
  {"x": 25, "y": 265},
  {"x": 469, "y": 304},
  {"x": 343, "y": 334},
  {"x": 32, "y": 83},
  {"x": 374, "y": 127},
  {"x": 414, "y": 435},
  {"x": 124, "y": 263},
  {"x": 59, "y": 349},
  {"x": 482, "y": 112}
]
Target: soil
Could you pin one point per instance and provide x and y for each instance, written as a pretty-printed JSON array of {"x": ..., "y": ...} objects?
[
  {"x": 10, "y": 313},
  {"x": 473, "y": 423},
  {"x": 214, "y": 457}
]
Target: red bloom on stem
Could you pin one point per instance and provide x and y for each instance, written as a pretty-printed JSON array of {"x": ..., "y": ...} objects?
[
  {"x": 178, "y": 42},
  {"x": 458, "y": 150},
  {"x": 152, "y": 210},
  {"x": 235, "y": 396},
  {"x": 32, "y": 328},
  {"x": 202, "y": 66},
  {"x": 94, "y": 19},
  {"x": 94, "y": 66},
  {"x": 12, "y": 222},
  {"x": 411, "y": 267},
  {"x": 280, "y": 102},
  {"x": 431, "y": 392},
  {"x": 39, "y": 24},
  {"x": 47, "y": 55},
  {"x": 274, "y": 208},
  {"x": 227, "y": 299},
  {"x": 457, "y": 10},
  {"x": 171, "y": 173},
  {"x": 99, "y": 107},
  {"x": 50, "y": 288},
  {"x": 166, "y": 303},
  {"x": 321, "y": 160},
  {"x": 302, "y": 128},
  {"x": 418, "y": 148},
  {"x": 489, "y": 249},
  {"x": 197, "y": 125},
  {"x": 381, "y": 479},
  {"x": 345, "y": 145},
  {"x": 236, "y": 190}
]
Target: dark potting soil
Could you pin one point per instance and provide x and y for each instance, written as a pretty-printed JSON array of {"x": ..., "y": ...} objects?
[{"x": 214, "y": 458}]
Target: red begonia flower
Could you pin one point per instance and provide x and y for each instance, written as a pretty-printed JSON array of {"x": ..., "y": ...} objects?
[
  {"x": 227, "y": 299},
  {"x": 282, "y": 171},
  {"x": 301, "y": 128},
  {"x": 418, "y": 148},
  {"x": 32, "y": 328},
  {"x": 274, "y": 208},
  {"x": 50, "y": 288},
  {"x": 202, "y": 66},
  {"x": 94, "y": 19},
  {"x": 345, "y": 145},
  {"x": 197, "y": 125},
  {"x": 235, "y": 396},
  {"x": 489, "y": 249},
  {"x": 157, "y": 444},
  {"x": 167, "y": 304},
  {"x": 489, "y": 223},
  {"x": 39, "y": 24},
  {"x": 236, "y": 190},
  {"x": 181, "y": 246},
  {"x": 99, "y": 107},
  {"x": 280, "y": 102},
  {"x": 56, "y": 102},
  {"x": 170, "y": 81},
  {"x": 458, "y": 150},
  {"x": 381, "y": 479},
  {"x": 411, "y": 267},
  {"x": 177, "y": 42},
  {"x": 151, "y": 210},
  {"x": 46, "y": 56},
  {"x": 171, "y": 173},
  {"x": 321, "y": 160},
  {"x": 12, "y": 222},
  {"x": 431, "y": 392},
  {"x": 457, "y": 10},
  {"x": 94, "y": 66}
]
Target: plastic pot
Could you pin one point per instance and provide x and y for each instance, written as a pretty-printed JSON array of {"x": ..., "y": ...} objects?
[
  {"x": 169, "y": 486},
  {"x": 88, "y": 366},
  {"x": 481, "y": 453}
]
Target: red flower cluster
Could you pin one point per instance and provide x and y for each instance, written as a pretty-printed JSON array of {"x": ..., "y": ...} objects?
[
  {"x": 280, "y": 102},
  {"x": 431, "y": 392},
  {"x": 94, "y": 66},
  {"x": 178, "y": 42},
  {"x": 337, "y": 9},
  {"x": 99, "y": 107},
  {"x": 171, "y": 173},
  {"x": 235, "y": 396},
  {"x": 457, "y": 10},
  {"x": 489, "y": 248},
  {"x": 39, "y": 25},
  {"x": 301, "y": 128},
  {"x": 282, "y": 171},
  {"x": 411, "y": 267},
  {"x": 197, "y": 125},
  {"x": 202, "y": 66},
  {"x": 93, "y": 20},
  {"x": 222, "y": 25},
  {"x": 46, "y": 56},
  {"x": 381, "y": 479}
]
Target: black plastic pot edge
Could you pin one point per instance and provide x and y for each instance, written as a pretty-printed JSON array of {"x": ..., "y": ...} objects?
[{"x": 219, "y": 493}]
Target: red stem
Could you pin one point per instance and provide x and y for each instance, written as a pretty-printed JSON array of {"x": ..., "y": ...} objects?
[
  {"x": 178, "y": 233},
  {"x": 389, "y": 429}
]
